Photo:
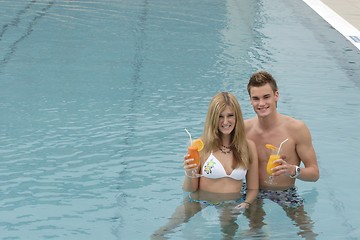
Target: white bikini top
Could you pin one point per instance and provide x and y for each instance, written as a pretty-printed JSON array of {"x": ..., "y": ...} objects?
[{"x": 214, "y": 169}]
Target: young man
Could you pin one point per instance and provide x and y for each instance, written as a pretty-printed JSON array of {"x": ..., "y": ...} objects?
[{"x": 272, "y": 127}]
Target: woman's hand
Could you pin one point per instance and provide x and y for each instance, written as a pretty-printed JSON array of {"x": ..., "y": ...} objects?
[
  {"x": 188, "y": 163},
  {"x": 242, "y": 207}
]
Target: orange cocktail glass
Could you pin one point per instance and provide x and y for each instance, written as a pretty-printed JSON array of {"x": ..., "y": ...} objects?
[
  {"x": 194, "y": 154},
  {"x": 274, "y": 155},
  {"x": 271, "y": 163}
]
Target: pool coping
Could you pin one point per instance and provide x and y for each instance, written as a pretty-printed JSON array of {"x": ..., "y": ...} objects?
[{"x": 350, "y": 32}]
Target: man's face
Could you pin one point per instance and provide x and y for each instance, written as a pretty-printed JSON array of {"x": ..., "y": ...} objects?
[{"x": 263, "y": 100}]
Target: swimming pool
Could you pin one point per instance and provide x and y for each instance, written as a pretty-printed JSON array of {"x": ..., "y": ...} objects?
[{"x": 95, "y": 96}]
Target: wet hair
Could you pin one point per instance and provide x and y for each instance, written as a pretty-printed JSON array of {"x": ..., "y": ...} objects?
[
  {"x": 212, "y": 136},
  {"x": 261, "y": 78}
]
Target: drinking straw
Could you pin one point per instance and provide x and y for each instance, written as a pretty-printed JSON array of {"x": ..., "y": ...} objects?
[
  {"x": 278, "y": 152},
  {"x": 189, "y": 135}
]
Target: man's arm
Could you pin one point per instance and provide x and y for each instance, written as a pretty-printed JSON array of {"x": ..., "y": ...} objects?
[{"x": 307, "y": 155}]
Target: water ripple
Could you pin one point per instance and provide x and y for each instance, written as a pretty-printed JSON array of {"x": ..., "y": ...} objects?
[{"x": 11, "y": 49}]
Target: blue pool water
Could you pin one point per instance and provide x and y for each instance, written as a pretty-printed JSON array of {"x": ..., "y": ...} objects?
[{"x": 95, "y": 96}]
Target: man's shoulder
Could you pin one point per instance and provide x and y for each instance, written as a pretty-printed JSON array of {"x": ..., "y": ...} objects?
[
  {"x": 250, "y": 142},
  {"x": 293, "y": 123},
  {"x": 249, "y": 123}
]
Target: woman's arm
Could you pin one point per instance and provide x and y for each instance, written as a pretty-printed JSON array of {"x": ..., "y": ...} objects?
[
  {"x": 190, "y": 184},
  {"x": 252, "y": 178}
]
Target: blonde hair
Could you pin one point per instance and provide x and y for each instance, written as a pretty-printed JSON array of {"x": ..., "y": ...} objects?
[{"x": 212, "y": 137}]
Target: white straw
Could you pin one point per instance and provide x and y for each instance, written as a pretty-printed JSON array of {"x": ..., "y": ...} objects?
[
  {"x": 281, "y": 145},
  {"x": 189, "y": 136}
]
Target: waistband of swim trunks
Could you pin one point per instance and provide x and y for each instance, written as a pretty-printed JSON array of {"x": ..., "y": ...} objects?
[{"x": 290, "y": 189}]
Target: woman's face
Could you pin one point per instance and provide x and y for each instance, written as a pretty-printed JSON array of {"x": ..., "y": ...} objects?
[{"x": 227, "y": 121}]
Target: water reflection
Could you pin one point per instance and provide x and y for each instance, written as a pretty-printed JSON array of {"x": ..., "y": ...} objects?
[
  {"x": 253, "y": 223},
  {"x": 211, "y": 206},
  {"x": 298, "y": 216}
]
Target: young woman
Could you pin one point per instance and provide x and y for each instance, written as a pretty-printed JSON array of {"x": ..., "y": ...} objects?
[{"x": 228, "y": 160}]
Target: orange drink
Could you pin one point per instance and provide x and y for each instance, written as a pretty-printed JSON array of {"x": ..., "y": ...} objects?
[
  {"x": 271, "y": 163},
  {"x": 194, "y": 154},
  {"x": 274, "y": 155}
]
